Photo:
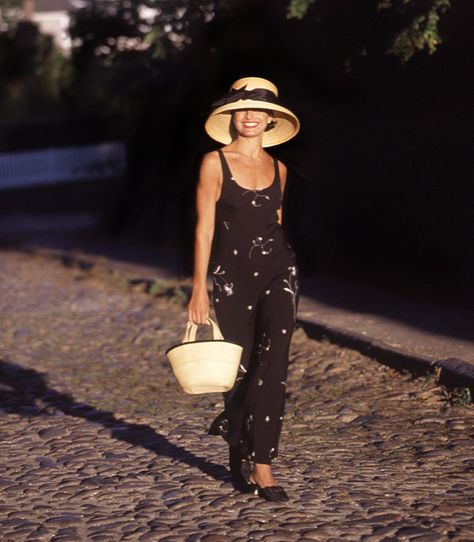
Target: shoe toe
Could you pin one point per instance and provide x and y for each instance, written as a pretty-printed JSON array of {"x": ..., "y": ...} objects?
[{"x": 273, "y": 493}]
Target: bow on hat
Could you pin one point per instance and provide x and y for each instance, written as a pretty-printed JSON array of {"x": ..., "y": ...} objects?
[{"x": 237, "y": 94}]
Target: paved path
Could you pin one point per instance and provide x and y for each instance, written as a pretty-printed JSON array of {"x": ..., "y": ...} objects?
[{"x": 98, "y": 444}]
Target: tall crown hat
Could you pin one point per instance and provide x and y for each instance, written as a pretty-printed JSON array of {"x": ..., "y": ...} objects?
[{"x": 252, "y": 93}]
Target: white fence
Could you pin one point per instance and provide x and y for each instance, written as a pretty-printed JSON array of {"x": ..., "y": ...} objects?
[{"x": 62, "y": 165}]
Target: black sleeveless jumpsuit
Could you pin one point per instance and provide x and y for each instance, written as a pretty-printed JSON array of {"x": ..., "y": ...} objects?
[{"x": 255, "y": 298}]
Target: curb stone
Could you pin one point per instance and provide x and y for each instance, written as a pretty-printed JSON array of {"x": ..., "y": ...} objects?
[{"x": 453, "y": 372}]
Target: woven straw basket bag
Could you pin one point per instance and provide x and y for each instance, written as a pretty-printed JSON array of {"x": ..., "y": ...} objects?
[{"x": 204, "y": 366}]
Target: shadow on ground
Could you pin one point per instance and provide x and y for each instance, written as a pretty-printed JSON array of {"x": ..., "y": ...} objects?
[{"x": 26, "y": 392}]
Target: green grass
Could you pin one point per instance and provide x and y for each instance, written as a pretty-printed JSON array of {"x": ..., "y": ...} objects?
[{"x": 461, "y": 397}]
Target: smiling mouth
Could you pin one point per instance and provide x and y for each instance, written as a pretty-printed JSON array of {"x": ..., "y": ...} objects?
[{"x": 250, "y": 124}]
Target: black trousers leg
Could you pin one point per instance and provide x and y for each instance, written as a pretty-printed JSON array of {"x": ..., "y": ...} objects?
[
  {"x": 276, "y": 316},
  {"x": 262, "y": 321},
  {"x": 236, "y": 316}
]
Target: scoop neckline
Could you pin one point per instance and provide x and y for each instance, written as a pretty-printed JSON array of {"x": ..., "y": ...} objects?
[{"x": 232, "y": 178}]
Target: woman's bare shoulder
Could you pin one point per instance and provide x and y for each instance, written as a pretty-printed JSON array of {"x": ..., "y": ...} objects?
[
  {"x": 210, "y": 170},
  {"x": 211, "y": 157},
  {"x": 210, "y": 163}
]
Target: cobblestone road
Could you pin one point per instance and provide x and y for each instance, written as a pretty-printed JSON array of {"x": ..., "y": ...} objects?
[{"x": 98, "y": 444}]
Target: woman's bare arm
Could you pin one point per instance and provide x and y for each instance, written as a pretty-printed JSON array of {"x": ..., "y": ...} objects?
[
  {"x": 282, "y": 169},
  {"x": 207, "y": 193}
]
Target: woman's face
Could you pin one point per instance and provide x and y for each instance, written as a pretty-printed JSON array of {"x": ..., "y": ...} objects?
[{"x": 251, "y": 122}]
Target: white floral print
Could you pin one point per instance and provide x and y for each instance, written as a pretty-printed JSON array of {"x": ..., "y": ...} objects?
[
  {"x": 263, "y": 346},
  {"x": 220, "y": 281},
  {"x": 255, "y": 201},
  {"x": 241, "y": 372},
  {"x": 260, "y": 243},
  {"x": 292, "y": 288}
]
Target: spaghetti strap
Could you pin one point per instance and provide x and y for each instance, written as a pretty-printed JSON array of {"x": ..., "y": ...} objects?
[
  {"x": 277, "y": 179},
  {"x": 277, "y": 169}
]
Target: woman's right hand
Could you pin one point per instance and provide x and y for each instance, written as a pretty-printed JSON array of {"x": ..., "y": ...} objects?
[{"x": 198, "y": 308}]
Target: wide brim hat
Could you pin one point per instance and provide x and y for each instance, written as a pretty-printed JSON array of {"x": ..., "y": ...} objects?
[{"x": 252, "y": 93}]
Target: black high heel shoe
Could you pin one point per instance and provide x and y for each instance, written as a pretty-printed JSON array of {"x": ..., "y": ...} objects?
[
  {"x": 270, "y": 493},
  {"x": 240, "y": 470}
]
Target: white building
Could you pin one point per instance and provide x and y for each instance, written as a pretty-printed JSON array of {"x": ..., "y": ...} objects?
[{"x": 52, "y": 17}]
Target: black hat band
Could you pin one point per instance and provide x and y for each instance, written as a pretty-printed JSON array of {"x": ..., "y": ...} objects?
[{"x": 257, "y": 94}]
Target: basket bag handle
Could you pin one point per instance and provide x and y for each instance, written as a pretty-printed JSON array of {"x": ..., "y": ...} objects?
[{"x": 191, "y": 328}]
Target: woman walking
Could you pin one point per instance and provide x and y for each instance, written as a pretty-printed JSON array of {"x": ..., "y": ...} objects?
[{"x": 239, "y": 239}]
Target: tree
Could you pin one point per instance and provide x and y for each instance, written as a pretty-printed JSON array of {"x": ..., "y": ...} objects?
[
  {"x": 412, "y": 25},
  {"x": 10, "y": 13},
  {"x": 32, "y": 71}
]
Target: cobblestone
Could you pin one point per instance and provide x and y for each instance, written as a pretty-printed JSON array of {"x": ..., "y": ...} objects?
[{"x": 98, "y": 442}]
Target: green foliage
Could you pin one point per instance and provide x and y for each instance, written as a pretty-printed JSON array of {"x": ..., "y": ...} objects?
[
  {"x": 169, "y": 289},
  {"x": 118, "y": 50},
  {"x": 421, "y": 32},
  {"x": 154, "y": 27},
  {"x": 32, "y": 71},
  {"x": 121, "y": 49},
  {"x": 414, "y": 24},
  {"x": 461, "y": 397},
  {"x": 10, "y": 13},
  {"x": 297, "y": 9}
]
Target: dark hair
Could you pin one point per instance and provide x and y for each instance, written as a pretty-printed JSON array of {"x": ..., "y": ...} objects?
[{"x": 270, "y": 126}]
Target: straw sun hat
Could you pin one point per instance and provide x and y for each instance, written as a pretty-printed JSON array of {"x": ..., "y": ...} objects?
[{"x": 252, "y": 93}]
